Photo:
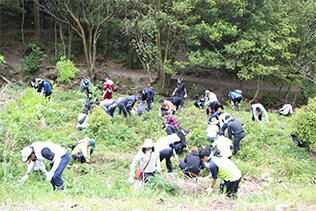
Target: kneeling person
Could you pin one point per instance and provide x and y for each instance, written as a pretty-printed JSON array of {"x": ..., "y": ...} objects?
[
  {"x": 192, "y": 164},
  {"x": 82, "y": 151}
]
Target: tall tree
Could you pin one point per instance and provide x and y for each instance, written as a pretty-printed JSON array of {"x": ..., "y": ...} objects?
[{"x": 86, "y": 18}]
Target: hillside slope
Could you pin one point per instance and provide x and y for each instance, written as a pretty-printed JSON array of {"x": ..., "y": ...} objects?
[{"x": 276, "y": 173}]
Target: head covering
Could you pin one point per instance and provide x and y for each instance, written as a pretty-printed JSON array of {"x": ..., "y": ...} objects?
[
  {"x": 214, "y": 121},
  {"x": 207, "y": 92},
  {"x": 92, "y": 142},
  {"x": 148, "y": 143},
  {"x": 26, "y": 152}
]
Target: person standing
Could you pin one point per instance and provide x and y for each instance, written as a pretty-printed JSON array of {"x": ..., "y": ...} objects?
[
  {"x": 225, "y": 169},
  {"x": 257, "y": 111},
  {"x": 148, "y": 160},
  {"x": 57, "y": 155},
  {"x": 235, "y": 129},
  {"x": 85, "y": 86},
  {"x": 108, "y": 88}
]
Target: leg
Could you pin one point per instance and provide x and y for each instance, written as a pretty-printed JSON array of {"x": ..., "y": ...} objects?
[
  {"x": 57, "y": 181},
  {"x": 260, "y": 117},
  {"x": 166, "y": 154},
  {"x": 170, "y": 129}
]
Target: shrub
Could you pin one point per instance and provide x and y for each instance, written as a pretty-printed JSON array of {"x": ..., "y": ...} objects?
[
  {"x": 32, "y": 62},
  {"x": 2, "y": 59},
  {"x": 66, "y": 70},
  {"x": 304, "y": 124}
]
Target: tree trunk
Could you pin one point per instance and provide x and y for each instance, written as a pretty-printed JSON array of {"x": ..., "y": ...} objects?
[
  {"x": 55, "y": 41},
  {"x": 288, "y": 93},
  {"x": 161, "y": 72},
  {"x": 22, "y": 22},
  {"x": 61, "y": 35},
  {"x": 257, "y": 90},
  {"x": 37, "y": 19},
  {"x": 69, "y": 42}
]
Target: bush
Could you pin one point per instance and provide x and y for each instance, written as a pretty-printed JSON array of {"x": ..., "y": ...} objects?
[
  {"x": 33, "y": 61},
  {"x": 66, "y": 70},
  {"x": 304, "y": 124}
]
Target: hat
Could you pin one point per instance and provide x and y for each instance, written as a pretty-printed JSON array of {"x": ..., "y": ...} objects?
[
  {"x": 26, "y": 152},
  {"x": 148, "y": 143},
  {"x": 92, "y": 142},
  {"x": 207, "y": 91}
]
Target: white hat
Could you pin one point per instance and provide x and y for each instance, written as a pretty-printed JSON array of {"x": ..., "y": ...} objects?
[
  {"x": 26, "y": 152},
  {"x": 148, "y": 143}
]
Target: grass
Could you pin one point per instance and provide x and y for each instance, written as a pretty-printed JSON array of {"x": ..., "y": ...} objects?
[{"x": 275, "y": 170}]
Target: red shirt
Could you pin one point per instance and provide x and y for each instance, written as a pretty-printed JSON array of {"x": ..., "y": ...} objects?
[{"x": 108, "y": 88}]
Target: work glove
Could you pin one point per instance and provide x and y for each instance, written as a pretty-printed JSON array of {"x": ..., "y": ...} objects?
[
  {"x": 209, "y": 191},
  {"x": 24, "y": 178},
  {"x": 49, "y": 176}
]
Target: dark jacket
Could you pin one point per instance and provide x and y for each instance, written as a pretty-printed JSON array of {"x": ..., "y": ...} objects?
[
  {"x": 234, "y": 128},
  {"x": 193, "y": 162},
  {"x": 129, "y": 102}
]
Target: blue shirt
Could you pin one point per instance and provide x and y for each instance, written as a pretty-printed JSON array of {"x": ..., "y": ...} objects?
[
  {"x": 47, "y": 87},
  {"x": 233, "y": 95}
]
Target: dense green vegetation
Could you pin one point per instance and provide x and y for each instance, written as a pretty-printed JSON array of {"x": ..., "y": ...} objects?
[
  {"x": 253, "y": 40},
  {"x": 275, "y": 170}
]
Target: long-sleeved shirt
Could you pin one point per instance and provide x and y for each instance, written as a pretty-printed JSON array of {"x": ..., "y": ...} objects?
[
  {"x": 142, "y": 159},
  {"x": 171, "y": 120},
  {"x": 49, "y": 151},
  {"x": 36, "y": 165},
  {"x": 234, "y": 128},
  {"x": 166, "y": 141},
  {"x": 129, "y": 102},
  {"x": 262, "y": 110},
  {"x": 108, "y": 88},
  {"x": 82, "y": 147},
  {"x": 286, "y": 110}
]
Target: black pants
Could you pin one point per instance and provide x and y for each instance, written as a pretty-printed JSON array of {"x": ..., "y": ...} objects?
[
  {"x": 237, "y": 139},
  {"x": 231, "y": 188},
  {"x": 166, "y": 154},
  {"x": 214, "y": 106},
  {"x": 147, "y": 176},
  {"x": 189, "y": 170},
  {"x": 123, "y": 109},
  {"x": 259, "y": 117}
]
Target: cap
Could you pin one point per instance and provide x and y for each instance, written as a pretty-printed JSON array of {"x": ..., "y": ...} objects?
[
  {"x": 92, "y": 142},
  {"x": 26, "y": 152},
  {"x": 148, "y": 143}
]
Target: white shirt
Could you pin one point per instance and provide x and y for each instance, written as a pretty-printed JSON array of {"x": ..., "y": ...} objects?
[
  {"x": 286, "y": 110},
  {"x": 211, "y": 97},
  {"x": 164, "y": 142},
  {"x": 262, "y": 110},
  {"x": 56, "y": 149},
  {"x": 142, "y": 160},
  {"x": 224, "y": 145},
  {"x": 212, "y": 130}
]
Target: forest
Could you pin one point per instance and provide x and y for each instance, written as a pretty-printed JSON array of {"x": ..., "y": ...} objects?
[{"x": 264, "y": 50}]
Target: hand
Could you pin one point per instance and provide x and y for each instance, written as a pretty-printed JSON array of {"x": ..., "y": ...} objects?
[
  {"x": 24, "y": 178},
  {"x": 49, "y": 176},
  {"x": 209, "y": 191},
  {"x": 131, "y": 180},
  {"x": 185, "y": 96}
]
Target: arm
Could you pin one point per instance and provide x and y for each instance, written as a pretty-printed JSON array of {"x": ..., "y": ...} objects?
[
  {"x": 229, "y": 131},
  {"x": 213, "y": 183},
  {"x": 254, "y": 113},
  {"x": 28, "y": 171},
  {"x": 266, "y": 114},
  {"x": 174, "y": 92},
  {"x": 133, "y": 164},
  {"x": 42, "y": 166},
  {"x": 185, "y": 92},
  {"x": 56, "y": 161}
]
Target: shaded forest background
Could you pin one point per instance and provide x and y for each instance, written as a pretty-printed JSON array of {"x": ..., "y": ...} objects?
[{"x": 270, "y": 43}]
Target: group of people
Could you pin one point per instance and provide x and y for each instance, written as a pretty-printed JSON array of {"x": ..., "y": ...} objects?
[{"x": 216, "y": 156}]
